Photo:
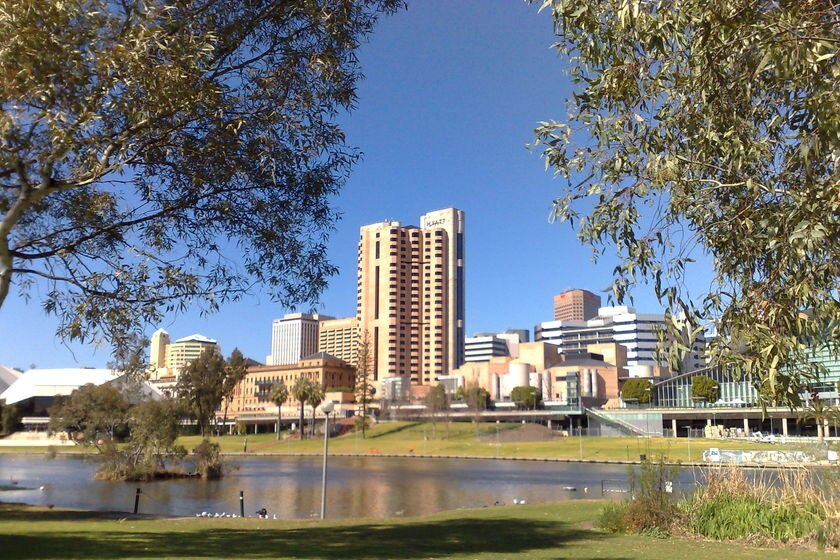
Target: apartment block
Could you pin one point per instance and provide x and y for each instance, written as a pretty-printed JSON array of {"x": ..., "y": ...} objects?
[
  {"x": 576, "y": 305},
  {"x": 166, "y": 360},
  {"x": 411, "y": 296},
  {"x": 339, "y": 338}
]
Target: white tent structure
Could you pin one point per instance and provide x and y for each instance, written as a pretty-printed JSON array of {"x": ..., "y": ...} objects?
[
  {"x": 55, "y": 382},
  {"x": 7, "y": 377}
]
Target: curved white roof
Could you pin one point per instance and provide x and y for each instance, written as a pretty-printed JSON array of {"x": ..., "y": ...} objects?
[
  {"x": 196, "y": 338},
  {"x": 54, "y": 382},
  {"x": 7, "y": 377}
]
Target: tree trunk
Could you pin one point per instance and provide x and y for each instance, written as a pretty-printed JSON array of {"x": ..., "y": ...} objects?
[
  {"x": 279, "y": 414},
  {"x": 312, "y": 431},
  {"x": 300, "y": 428}
]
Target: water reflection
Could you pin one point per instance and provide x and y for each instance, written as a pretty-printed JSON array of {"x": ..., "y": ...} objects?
[{"x": 290, "y": 486}]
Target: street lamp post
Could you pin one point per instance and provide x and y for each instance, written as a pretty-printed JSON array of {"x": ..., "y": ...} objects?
[
  {"x": 326, "y": 408},
  {"x": 688, "y": 433}
]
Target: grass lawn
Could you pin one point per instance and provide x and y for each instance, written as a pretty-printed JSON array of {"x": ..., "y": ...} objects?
[
  {"x": 554, "y": 531},
  {"x": 407, "y": 438}
]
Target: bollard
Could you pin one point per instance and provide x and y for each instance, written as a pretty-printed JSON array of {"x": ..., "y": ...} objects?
[
  {"x": 241, "y": 503},
  {"x": 136, "y": 501},
  {"x": 602, "y": 487}
]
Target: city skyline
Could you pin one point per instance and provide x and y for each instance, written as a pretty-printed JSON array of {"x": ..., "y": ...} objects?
[{"x": 443, "y": 119}]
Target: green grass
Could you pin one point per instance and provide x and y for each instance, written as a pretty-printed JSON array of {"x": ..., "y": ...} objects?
[
  {"x": 407, "y": 438},
  {"x": 459, "y": 439},
  {"x": 541, "y": 532}
]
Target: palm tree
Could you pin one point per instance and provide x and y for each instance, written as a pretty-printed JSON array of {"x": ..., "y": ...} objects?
[
  {"x": 316, "y": 397},
  {"x": 279, "y": 395},
  {"x": 300, "y": 391},
  {"x": 820, "y": 413}
]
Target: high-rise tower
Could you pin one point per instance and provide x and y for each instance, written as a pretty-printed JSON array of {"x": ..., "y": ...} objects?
[{"x": 411, "y": 296}]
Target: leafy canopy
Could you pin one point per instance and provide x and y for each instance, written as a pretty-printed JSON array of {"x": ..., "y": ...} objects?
[
  {"x": 706, "y": 388},
  {"x": 710, "y": 127},
  {"x": 525, "y": 397},
  {"x": 637, "y": 389},
  {"x": 160, "y": 153}
]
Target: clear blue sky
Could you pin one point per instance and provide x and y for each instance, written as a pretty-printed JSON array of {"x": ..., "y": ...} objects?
[{"x": 453, "y": 91}]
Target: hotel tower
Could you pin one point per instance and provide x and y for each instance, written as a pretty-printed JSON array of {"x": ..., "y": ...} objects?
[{"x": 411, "y": 296}]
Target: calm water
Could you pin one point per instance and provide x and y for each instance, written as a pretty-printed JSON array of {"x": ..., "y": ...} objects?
[{"x": 290, "y": 486}]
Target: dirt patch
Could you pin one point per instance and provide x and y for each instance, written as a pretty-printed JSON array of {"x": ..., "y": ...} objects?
[{"x": 526, "y": 432}]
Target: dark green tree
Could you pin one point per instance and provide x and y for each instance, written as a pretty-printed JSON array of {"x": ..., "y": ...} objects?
[
  {"x": 279, "y": 395},
  {"x": 301, "y": 391},
  {"x": 315, "y": 397},
  {"x": 91, "y": 414},
  {"x": 711, "y": 128},
  {"x": 163, "y": 153},
  {"x": 201, "y": 384},
  {"x": 705, "y": 388},
  {"x": 526, "y": 397},
  {"x": 236, "y": 369},
  {"x": 637, "y": 389},
  {"x": 9, "y": 418}
]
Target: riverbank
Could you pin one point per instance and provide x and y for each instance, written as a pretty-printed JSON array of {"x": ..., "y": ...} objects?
[
  {"x": 466, "y": 441},
  {"x": 487, "y": 441},
  {"x": 541, "y": 532}
]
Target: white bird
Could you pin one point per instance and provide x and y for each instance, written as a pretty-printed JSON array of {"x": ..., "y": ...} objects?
[
  {"x": 516, "y": 501},
  {"x": 521, "y": 502},
  {"x": 275, "y": 516},
  {"x": 42, "y": 488}
]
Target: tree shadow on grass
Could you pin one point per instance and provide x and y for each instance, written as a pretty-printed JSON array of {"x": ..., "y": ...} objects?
[{"x": 396, "y": 541}]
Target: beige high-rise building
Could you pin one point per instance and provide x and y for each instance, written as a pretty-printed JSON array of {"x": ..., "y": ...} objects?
[
  {"x": 167, "y": 359},
  {"x": 576, "y": 305},
  {"x": 411, "y": 296},
  {"x": 339, "y": 338}
]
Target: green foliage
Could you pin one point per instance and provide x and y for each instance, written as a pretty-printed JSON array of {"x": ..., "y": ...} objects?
[
  {"x": 819, "y": 412},
  {"x": 90, "y": 414},
  {"x": 437, "y": 400},
  {"x": 208, "y": 459},
  {"x": 793, "y": 507},
  {"x": 154, "y": 428},
  {"x": 525, "y": 397},
  {"x": 476, "y": 398},
  {"x": 279, "y": 395},
  {"x": 305, "y": 391},
  {"x": 206, "y": 382},
  {"x": 142, "y": 141},
  {"x": 9, "y": 418},
  {"x": 700, "y": 127},
  {"x": 637, "y": 389},
  {"x": 651, "y": 510},
  {"x": 706, "y": 388}
]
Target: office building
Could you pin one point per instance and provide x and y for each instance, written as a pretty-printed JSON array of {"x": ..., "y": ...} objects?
[
  {"x": 635, "y": 331},
  {"x": 576, "y": 305},
  {"x": 482, "y": 346},
  {"x": 411, "y": 296},
  {"x": 339, "y": 338},
  {"x": 293, "y": 337}
]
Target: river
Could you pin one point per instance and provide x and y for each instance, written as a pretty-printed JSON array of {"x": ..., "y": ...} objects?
[{"x": 290, "y": 487}]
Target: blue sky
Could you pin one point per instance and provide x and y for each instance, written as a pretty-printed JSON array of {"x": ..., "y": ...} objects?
[{"x": 452, "y": 93}]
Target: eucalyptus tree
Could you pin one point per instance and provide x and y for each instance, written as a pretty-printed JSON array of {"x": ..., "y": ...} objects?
[
  {"x": 156, "y": 154},
  {"x": 710, "y": 127}
]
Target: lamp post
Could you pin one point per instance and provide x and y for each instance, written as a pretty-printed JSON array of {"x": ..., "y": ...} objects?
[{"x": 327, "y": 408}]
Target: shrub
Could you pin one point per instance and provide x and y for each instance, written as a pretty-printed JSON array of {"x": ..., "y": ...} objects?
[
  {"x": 652, "y": 509},
  {"x": 525, "y": 397},
  {"x": 208, "y": 460},
  {"x": 793, "y": 507},
  {"x": 637, "y": 389},
  {"x": 704, "y": 387}
]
